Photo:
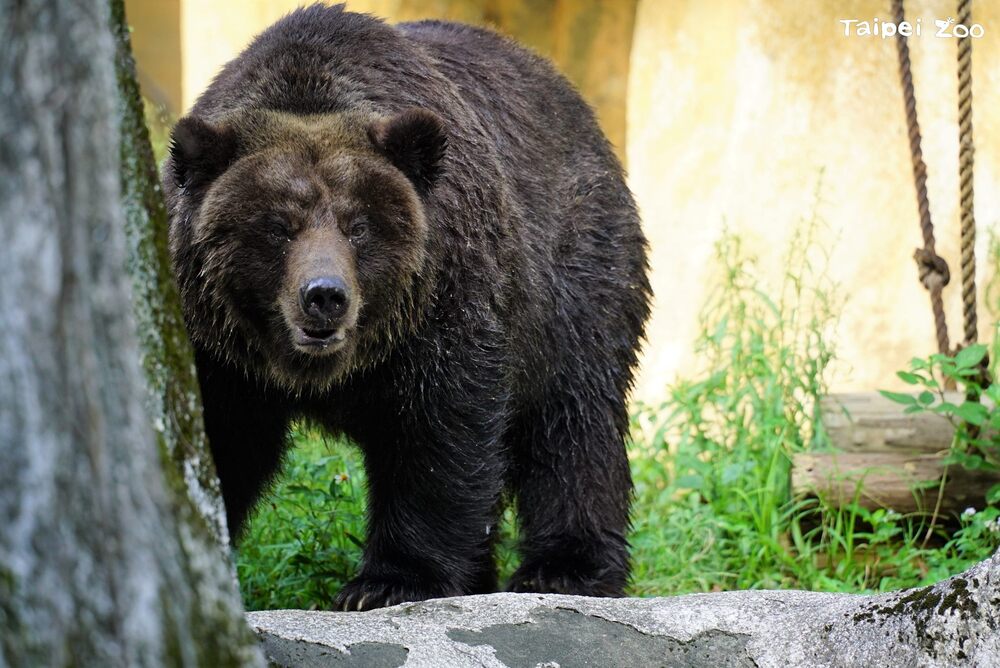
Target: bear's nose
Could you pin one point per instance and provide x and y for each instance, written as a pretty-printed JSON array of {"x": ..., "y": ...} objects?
[{"x": 324, "y": 298}]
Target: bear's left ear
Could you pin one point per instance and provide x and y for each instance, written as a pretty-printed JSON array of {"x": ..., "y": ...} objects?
[{"x": 414, "y": 141}]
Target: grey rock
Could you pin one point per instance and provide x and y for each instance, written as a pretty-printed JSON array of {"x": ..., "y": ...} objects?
[{"x": 953, "y": 623}]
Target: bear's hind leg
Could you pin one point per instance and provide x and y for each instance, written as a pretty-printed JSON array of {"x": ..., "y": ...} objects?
[{"x": 573, "y": 487}]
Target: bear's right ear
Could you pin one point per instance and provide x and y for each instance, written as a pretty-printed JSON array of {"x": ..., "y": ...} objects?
[{"x": 200, "y": 152}]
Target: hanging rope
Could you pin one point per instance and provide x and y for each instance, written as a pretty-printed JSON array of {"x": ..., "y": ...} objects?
[
  {"x": 965, "y": 161},
  {"x": 934, "y": 273}
]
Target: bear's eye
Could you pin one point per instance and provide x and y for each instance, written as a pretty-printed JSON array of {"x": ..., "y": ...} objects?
[
  {"x": 358, "y": 230},
  {"x": 277, "y": 227}
]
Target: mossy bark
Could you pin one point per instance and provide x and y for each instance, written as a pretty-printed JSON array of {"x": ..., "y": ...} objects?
[
  {"x": 167, "y": 357},
  {"x": 111, "y": 546}
]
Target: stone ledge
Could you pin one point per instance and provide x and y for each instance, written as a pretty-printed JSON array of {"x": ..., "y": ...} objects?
[{"x": 952, "y": 623}]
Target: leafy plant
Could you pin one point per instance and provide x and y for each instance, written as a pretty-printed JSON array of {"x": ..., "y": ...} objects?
[
  {"x": 713, "y": 507},
  {"x": 306, "y": 539},
  {"x": 723, "y": 442},
  {"x": 976, "y": 443}
]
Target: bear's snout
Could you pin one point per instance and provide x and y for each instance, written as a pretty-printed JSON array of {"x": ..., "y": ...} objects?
[
  {"x": 324, "y": 299},
  {"x": 325, "y": 310}
]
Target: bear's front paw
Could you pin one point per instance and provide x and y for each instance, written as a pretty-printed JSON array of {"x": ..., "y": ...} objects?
[
  {"x": 549, "y": 579},
  {"x": 368, "y": 593}
]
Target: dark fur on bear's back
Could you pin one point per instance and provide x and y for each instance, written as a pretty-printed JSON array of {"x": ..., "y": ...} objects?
[{"x": 498, "y": 317}]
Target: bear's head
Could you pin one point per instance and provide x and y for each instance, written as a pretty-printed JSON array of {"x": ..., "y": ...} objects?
[{"x": 299, "y": 242}]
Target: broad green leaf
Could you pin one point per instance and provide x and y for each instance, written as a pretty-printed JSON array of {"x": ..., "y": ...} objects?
[
  {"x": 966, "y": 460},
  {"x": 993, "y": 495},
  {"x": 899, "y": 397},
  {"x": 972, "y": 413},
  {"x": 689, "y": 482},
  {"x": 971, "y": 356}
]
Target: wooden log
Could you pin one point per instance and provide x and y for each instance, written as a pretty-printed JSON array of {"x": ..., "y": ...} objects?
[
  {"x": 868, "y": 422},
  {"x": 893, "y": 480},
  {"x": 886, "y": 458}
]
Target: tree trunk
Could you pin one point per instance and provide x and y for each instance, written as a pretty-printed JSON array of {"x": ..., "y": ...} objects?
[
  {"x": 109, "y": 512},
  {"x": 953, "y": 623}
]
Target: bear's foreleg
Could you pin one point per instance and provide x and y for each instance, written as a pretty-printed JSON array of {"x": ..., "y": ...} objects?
[
  {"x": 434, "y": 485},
  {"x": 248, "y": 435}
]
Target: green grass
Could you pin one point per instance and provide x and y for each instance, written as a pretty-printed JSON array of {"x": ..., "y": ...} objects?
[
  {"x": 714, "y": 510},
  {"x": 305, "y": 541},
  {"x": 711, "y": 464}
]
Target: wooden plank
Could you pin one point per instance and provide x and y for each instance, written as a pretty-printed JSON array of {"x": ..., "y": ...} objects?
[
  {"x": 868, "y": 422},
  {"x": 887, "y": 479}
]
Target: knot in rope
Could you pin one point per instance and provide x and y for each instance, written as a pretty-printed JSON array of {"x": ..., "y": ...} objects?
[{"x": 932, "y": 268}]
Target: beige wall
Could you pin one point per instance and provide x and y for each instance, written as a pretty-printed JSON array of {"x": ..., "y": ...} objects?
[
  {"x": 214, "y": 32},
  {"x": 156, "y": 41},
  {"x": 734, "y": 110}
]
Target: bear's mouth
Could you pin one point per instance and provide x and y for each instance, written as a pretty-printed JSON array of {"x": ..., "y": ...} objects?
[{"x": 317, "y": 340}]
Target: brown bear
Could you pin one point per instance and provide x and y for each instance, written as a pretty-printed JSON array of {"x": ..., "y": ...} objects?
[{"x": 418, "y": 237}]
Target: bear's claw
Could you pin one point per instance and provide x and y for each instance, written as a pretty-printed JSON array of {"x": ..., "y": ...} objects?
[{"x": 364, "y": 593}]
